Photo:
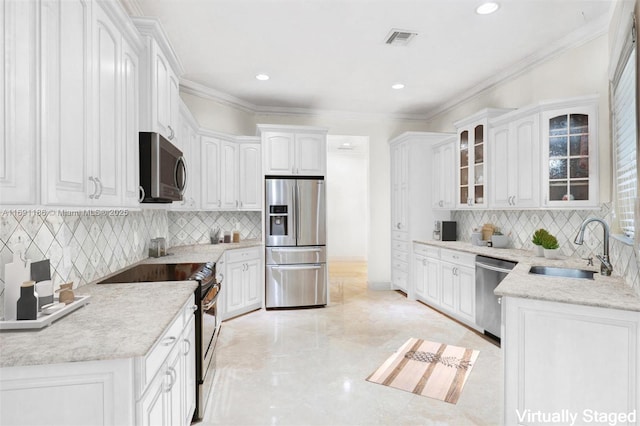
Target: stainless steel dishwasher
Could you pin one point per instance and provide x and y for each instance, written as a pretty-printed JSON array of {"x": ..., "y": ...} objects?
[{"x": 489, "y": 273}]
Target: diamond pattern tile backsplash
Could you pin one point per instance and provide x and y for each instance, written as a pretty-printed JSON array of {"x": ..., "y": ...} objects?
[
  {"x": 564, "y": 224},
  {"x": 84, "y": 247}
]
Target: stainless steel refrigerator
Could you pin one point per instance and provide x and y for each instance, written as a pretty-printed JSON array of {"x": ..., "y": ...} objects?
[{"x": 295, "y": 253}]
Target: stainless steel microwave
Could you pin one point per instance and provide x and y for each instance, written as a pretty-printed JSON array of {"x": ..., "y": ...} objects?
[{"x": 163, "y": 172}]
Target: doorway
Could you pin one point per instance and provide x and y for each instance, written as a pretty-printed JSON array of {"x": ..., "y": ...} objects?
[{"x": 347, "y": 212}]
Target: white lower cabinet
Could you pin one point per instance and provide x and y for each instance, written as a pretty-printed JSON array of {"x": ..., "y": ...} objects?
[
  {"x": 243, "y": 283},
  {"x": 445, "y": 280},
  {"x": 156, "y": 389},
  {"x": 579, "y": 360}
]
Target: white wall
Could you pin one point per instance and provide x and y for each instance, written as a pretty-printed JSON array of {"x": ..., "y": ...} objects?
[{"x": 347, "y": 198}]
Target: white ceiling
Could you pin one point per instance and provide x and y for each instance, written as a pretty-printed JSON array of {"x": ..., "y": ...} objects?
[{"x": 331, "y": 55}]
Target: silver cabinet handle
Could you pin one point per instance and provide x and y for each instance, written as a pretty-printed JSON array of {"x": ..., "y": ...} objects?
[
  {"x": 95, "y": 188},
  {"x": 295, "y": 268},
  {"x": 172, "y": 134},
  {"x": 192, "y": 308},
  {"x": 169, "y": 341},
  {"x": 441, "y": 203},
  {"x": 399, "y": 225},
  {"x": 142, "y": 194},
  {"x": 188, "y": 347},
  {"x": 171, "y": 372},
  {"x": 99, "y": 182}
]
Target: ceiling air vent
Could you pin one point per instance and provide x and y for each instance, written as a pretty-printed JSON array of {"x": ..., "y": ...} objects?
[{"x": 400, "y": 37}]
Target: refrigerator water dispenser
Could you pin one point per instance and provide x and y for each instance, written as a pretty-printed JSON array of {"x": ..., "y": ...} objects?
[{"x": 278, "y": 218}]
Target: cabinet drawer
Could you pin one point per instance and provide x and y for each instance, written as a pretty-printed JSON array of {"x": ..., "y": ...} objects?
[
  {"x": 400, "y": 245},
  {"x": 240, "y": 255},
  {"x": 425, "y": 250},
  {"x": 459, "y": 258},
  {"x": 399, "y": 265},
  {"x": 399, "y": 235},
  {"x": 400, "y": 255}
]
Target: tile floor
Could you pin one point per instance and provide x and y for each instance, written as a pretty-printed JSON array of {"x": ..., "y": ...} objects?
[{"x": 308, "y": 366}]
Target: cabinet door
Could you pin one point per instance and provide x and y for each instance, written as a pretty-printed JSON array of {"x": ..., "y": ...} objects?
[
  {"x": 234, "y": 295},
  {"x": 525, "y": 162},
  {"x": 105, "y": 163},
  {"x": 152, "y": 409},
  {"x": 229, "y": 175},
  {"x": 66, "y": 126},
  {"x": 399, "y": 186},
  {"x": 161, "y": 93},
  {"x": 432, "y": 281},
  {"x": 447, "y": 274},
  {"x": 570, "y": 168},
  {"x": 250, "y": 177},
  {"x": 419, "y": 275},
  {"x": 211, "y": 150},
  {"x": 175, "y": 387},
  {"x": 189, "y": 373},
  {"x": 19, "y": 106},
  {"x": 466, "y": 288},
  {"x": 173, "y": 106},
  {"x": 471, "y": 165},
  {"x": 130, "y": 114},
  {"x": 501, "y": 165},
  {"x": 443, "y": 176},
  {"x": 279, "y": 153},
  {"x": 310, "y": 154},
  {"x": 252, "y": 282}
]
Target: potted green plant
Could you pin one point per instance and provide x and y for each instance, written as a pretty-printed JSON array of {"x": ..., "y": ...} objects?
[
  {"x": 550, "y": 246},
  {"x": 537, "y": 239}
]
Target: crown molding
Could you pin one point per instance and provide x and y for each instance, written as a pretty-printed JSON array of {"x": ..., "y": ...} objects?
[
  {"x": 132, "y": 7},
  {"x": 573, "y": 40}
]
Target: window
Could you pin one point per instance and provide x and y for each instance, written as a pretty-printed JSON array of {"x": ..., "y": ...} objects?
[{"x": 624, "y": 125}]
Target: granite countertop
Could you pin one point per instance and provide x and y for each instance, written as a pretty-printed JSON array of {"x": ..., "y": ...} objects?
[
  {"x": 120, "y": 320},
  {"x": 606, "y": 292}
]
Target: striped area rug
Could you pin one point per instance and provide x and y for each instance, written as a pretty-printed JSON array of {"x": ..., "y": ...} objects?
[{"x": 427, "y": 368}]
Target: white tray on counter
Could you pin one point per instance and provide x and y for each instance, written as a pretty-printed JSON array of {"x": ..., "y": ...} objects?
[{"x": 45, "y": 320}]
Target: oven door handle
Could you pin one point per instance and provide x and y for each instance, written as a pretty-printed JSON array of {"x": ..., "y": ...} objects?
[{"x": 212, "y": 302}]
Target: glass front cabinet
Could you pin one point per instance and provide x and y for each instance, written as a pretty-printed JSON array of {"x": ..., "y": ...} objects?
[
  {"x": 569, "y": 147},
  {"x": 471, "y": 155}
]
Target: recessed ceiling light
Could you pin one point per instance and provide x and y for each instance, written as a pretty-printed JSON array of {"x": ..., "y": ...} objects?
[
  {"x": 487, "y": 8},
  {"x": 262, "y": 77},
  {"x": 398, "y": 86}
]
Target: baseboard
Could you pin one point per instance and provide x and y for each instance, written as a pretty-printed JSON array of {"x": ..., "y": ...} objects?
[{"x": 379, "y": 285}]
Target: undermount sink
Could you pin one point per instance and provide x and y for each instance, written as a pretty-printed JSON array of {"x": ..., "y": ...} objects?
[{"x": 562, "y": 272}]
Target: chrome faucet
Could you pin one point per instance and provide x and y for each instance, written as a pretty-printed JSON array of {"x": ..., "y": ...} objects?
[{"x": 605, "y": 268}]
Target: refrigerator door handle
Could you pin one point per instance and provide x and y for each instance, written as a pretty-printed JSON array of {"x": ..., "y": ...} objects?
[
  {"x": 297, "y": 249},
  {"x": 297, "y": 207},
  {"x": 295, "y": 267}
]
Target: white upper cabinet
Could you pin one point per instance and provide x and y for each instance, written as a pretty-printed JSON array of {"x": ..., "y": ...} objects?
[
  {"x": 188, "y": 141},
  {"x": 515, "y": 161},
  {"x": 18, "y": 162},
  {"x": 66, "y": 126},
  {"x": 250, "y": 191},
  {"x": 473, "y": 138},
  {"x": 570, "y": 153},
  {"x": 231, "y": 172},
  {"x": 161, "y": 69},
  {"x": 211, "y": 196},
  {"x": 82, "y": 82},
  {"x": 443, "y": 177},
  {"x": 294, "y": 150}
]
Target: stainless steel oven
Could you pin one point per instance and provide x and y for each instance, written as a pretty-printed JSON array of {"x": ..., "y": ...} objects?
[{"x": 207, "y": 320}]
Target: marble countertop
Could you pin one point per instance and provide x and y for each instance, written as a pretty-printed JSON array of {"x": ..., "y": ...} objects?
[
  {"x": 120, "y": 320},
  {"x": 606, "y": 292}
]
